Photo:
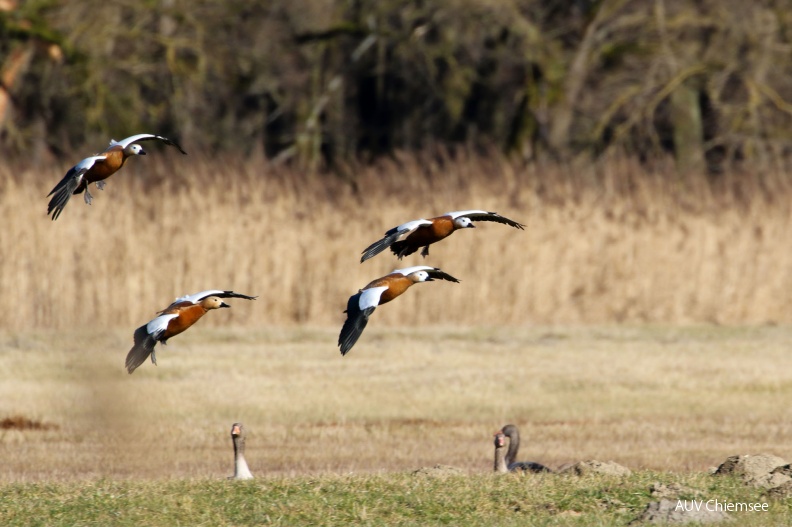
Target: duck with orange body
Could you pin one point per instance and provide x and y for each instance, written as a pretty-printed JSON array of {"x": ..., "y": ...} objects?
[
  {"x": 174, "y": 319},
  {"x": 97, "y": 168},
  {"x": 381, "y": 291},
  {"x": 411, "y": 236}
]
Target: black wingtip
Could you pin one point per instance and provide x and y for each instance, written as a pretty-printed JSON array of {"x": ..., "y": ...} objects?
[
  {"x": 177, "y": 145},
  {"x": 141, "y": 350},
  {"x": 58, "y": 203},
  {"x": 180, "y": 148},
  {"x": 442, "y": 275},
  {"x": 497, "y": 218},
  {"x": 354, "y": 325},
  {"x": 234, "y": 294},
  {"x": 344, "y": 342},
  {"x": 347, "y": 339},
  {"x": 375, "y": 248},
  {"x": 170, "y": 142}
]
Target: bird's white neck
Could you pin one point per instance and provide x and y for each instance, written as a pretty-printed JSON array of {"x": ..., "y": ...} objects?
[
  {"x": 500, "y": 460},
  {"x": 241, "y": 470}
]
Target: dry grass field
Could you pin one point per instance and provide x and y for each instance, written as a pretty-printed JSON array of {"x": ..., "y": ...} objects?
[{"x": 666, "y": 399}]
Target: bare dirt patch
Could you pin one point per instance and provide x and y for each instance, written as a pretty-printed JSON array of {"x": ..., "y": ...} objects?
[{"x": 20, "y": 422}]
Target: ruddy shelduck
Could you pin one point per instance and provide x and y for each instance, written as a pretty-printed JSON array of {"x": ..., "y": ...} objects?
[
  {"x": 97, "y": 168},
  {"x": 177, "y": 317},
  {"x": 381, "y": 291},
  {"x": 409, "y": 237}
]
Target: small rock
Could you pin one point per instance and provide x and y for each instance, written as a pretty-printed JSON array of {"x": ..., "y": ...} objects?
[
  {"x": 780, "y": 492},
  {"x": 759, "y": 470},
  {"x": 676, "y": 511},
  {"x": 784, "y": 470},
  {"x": 593, "y": 466}
]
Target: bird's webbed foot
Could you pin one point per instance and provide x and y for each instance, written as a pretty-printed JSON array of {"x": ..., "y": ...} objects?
[
  {"x": 425, "y": 251},
  {"x": 100, "y": 185},
  {"x": 154, "y": 358},
  {"x": 87, "y": 197}
]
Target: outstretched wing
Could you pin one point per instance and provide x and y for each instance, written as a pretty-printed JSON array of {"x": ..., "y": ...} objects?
[
  {"x": 377, "y": 247},
  {"x": 441, "y": 275},
  {"x": 409, "y": 270},
  {"x": 197, "y": 297},
  {"x": 433, "y": 272},
  {"x": 146, "y": 337},
  {"x": 394, "y": 235},
  {"x": 359, "y": 307},
  {"x": 143, "y": 347},
  {"x": 65, "y": 188},
  {"x": 483, "y": 215},
  {"x": 146, "y": 137}
]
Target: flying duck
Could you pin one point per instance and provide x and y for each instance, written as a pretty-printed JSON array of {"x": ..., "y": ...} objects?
[
  {"x": 177, "y": 317},
  {"x": 97, "y": 168},
  {"x": 381, "y": 291},
  {"x": 409, "y": 237}
]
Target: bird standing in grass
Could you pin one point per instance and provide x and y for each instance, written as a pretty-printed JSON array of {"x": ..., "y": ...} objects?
[
  {"x": 411, "y": 236},
  {"x": 238, "y": 435},
  {"x": 97, "y": 168},
  {"x": 177, "y": 317},
  {"x": 381, "y": 291},
  {"x": 505, "y": 460}
]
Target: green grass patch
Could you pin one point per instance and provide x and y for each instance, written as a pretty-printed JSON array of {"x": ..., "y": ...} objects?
[{"x": 382, "y": 499}]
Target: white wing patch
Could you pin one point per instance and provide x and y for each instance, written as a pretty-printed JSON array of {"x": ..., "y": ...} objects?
[
  {"x": 412, "y": 225},
  {"x": 159, "y": 324},
  {"x": 405, "y": 229},
  {"x": 371, "y": 297},
  {"x": 457, "y": 214},
  {"x": 409, "y": 270},
  {"x": 131, "y": 139},
  {"x": 197, "y": 297},
  {"x": 88, "y": 162}
]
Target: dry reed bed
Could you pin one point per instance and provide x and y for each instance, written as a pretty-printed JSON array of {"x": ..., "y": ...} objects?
[{"x": 608, "y": 243}]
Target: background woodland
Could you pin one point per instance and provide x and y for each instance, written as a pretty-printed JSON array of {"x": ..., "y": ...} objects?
[{"x": 323, "y": 84}]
